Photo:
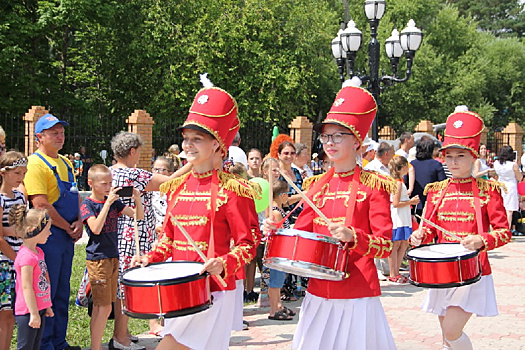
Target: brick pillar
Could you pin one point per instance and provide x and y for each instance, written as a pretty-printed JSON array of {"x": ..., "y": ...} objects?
[
  {"x": 301, "y": 130},
  {"x": 513, "y": 136},
  {"x": 425, "y": 126},
  {"x": 387, "y": 133},
  {"x": 140, "y": 122},
  {"x": 30, "y": 118}
]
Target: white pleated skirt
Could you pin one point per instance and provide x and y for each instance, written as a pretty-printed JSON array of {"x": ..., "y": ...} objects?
[
  {"x": 338, "y": 324},
  {"x": 239, "y": 305},
  {"x": 478, "y": 298},
  {"x": 210, "y": 329}
]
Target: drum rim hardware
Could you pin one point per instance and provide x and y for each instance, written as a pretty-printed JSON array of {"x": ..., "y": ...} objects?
[{"x": 457, "y": 259}]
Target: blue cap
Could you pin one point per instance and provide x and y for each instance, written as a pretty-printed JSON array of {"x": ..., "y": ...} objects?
[{"x": 47, "y": 121}]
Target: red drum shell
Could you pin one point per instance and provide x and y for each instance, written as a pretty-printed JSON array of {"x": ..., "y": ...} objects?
[
  {"x": 447, "y": 272},
  {"x": 305, "y": 254},
  {"x": 168, "y": 298}
]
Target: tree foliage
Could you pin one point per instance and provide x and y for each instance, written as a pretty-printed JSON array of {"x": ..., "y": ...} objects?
[{"x": 98, "y": 60}]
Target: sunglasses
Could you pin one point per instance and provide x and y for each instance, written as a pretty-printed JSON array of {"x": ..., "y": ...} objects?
[{"x": 288, "y": 153}]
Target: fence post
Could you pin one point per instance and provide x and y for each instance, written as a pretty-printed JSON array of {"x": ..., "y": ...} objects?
[
  {"x": 387, "y": 133},
  {"x": 30, "y": 118},
  {"x": 513, "y": 136},
  {"x": 301, "y": 131},
  {"x": 425, "y": 126},
  {"x": 140, "y": 122}
]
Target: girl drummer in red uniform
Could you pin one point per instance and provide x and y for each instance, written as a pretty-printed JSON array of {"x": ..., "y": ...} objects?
[
  {"x": 211, "y": 224},
  {"x": 347, "y": 314},
  {"x": 473, "y": 210}
]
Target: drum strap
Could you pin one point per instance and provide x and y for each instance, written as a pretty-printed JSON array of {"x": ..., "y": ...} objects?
[
  {"x": 353, "y": 196},
  {"x": 213, "y": 204},
  {"x": 313, "y": 190},
  {"x": 477, "y": 206}
]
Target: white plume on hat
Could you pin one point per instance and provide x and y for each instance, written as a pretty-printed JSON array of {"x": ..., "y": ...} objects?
[
  {"x": 205, "y": 81},
  {"x": 461, "y": 108},
  {"x": 355, "y": 82}
]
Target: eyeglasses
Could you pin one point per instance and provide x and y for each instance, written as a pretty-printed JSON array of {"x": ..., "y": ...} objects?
[
  {"x": 159, "y": 170},
  {"x": 336, "y": 137},
  {"x": 288, "y": 153}
]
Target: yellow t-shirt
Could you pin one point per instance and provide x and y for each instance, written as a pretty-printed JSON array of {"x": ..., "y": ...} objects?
[{"x": 40, "y": 179}]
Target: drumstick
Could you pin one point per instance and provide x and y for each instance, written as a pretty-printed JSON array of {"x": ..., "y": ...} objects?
[
  {"x": 306, "y": 199},
  {"x": 194, "y": 245},
  {"x": 428, "y": 222},
  {"x": 137, "y": 241}
]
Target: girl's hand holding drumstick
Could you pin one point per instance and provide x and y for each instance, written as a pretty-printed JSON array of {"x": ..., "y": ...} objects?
[{"x": 213, "y": 266}]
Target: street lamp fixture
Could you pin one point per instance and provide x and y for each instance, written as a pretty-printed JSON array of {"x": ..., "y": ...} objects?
[{"x": 348, "y": 41}]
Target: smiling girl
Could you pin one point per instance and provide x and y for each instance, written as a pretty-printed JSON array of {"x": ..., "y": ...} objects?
[
  {"x": 473, "y": 210},
  {"x": 347, "y": 314},
  {"x": 13, "y": 167},
  {"x": 218, "y": 211}
]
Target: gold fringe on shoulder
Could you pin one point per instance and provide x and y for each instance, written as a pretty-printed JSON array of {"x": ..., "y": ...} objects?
[
  {"x": 436, "y": 186},
  {"x": 375, "y": 180},
  {"x": 232, "y": 183},
  {"x": 309, "y": 181},
  {"x": 486, "y": 185},
  {"x": 173, "y": 185}
]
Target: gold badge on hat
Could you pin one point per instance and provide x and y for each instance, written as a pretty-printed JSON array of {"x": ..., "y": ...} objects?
[
  {"x": 458, "y": 124},
  {"x": 339, "y": 102},
  {"x": 203, "y": 99}
]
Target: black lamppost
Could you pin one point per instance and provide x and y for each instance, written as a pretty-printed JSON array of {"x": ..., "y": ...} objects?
[{"x": 348, "y": 41}]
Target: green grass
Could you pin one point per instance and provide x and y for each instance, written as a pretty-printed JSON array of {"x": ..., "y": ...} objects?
[{"x": 78, "y": 328}]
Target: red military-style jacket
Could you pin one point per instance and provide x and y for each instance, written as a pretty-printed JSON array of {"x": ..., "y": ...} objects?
[
  {"x": 372, "y": 224},
  {"x": 189, "y": 202},
  {"x": 455, "y": 212}
]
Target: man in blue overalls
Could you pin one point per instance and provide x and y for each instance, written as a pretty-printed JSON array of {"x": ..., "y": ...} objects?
[{"x": 50, "y": 184}]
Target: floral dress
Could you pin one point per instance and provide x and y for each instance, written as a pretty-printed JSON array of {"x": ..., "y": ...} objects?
[{"x": 139, "y": 179}]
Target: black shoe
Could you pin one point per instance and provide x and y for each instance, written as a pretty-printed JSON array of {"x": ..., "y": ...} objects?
[
  {"x": 253, "y": 296},
  {"x": 69, "y": 347}
]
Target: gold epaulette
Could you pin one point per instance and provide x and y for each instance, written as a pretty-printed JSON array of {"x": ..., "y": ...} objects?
[
  {"x": 174, "y": 184},
  {"x": 373, "y": 179},
  {"x": 436, "y": 186},
  {"x": 307, "y": 183},
  {"x": 486, "y": 185},
  {"x": 242, "y": 187}
]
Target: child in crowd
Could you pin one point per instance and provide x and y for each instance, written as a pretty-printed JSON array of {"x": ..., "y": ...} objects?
[
  {"x": 269, "y": 164},
  {"x": 401, "y": 219},
  {"x": 100, "y": 212},
  {"x": 164, "y": 166},
  {"x": 13, "y": 167},
  {"x": 518, "y": 219},
  {"x": 33, "y": 289},
  {"x": 277, "y": 310}
]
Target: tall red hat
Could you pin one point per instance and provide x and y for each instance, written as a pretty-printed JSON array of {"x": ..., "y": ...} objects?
[
  {"x": 463, "y": 130},
  {"x": 214, "y": 111},
  {"x": 354, "y": 108}
]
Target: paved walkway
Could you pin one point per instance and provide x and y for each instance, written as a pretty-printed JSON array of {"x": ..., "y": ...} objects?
[{"x": 412, "y": 328}]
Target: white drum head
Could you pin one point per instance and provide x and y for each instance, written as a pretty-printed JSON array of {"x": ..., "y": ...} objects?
[
  {"x": 438, "y": 251},
  {"x": 163, "y": 272}
]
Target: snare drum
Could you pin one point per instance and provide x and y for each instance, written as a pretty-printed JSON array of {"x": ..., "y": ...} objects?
[
  {"x": 443, "y": 265},
  {"x": 167, "y": 289},
  {"x": 305, "y": 254}
]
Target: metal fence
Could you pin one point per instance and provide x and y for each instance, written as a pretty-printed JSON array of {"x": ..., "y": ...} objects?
[
  {"x": 95, "y": 133},
  {"x": 254, "y": 134}
]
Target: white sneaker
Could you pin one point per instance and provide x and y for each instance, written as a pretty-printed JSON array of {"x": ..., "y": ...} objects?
[
  {"x": 113, "y": 344},
  {"x": 381, "y": 276}
]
